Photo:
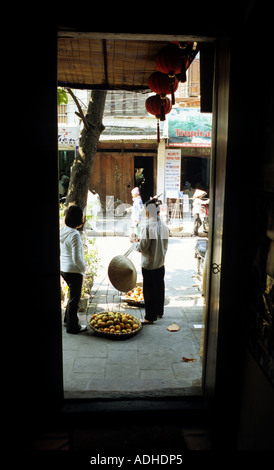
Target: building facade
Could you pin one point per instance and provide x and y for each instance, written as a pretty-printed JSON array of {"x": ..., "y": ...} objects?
[{"x": 128, "y": 153}]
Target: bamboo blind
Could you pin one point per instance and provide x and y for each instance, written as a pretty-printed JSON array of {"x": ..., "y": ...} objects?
[{"x": 109, "y": 64}]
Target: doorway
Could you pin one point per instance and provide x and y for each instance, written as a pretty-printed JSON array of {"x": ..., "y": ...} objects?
[
  {"x": 143, "y": 176},
  {"x": 66, "y": 158},
  {"x": 196, "y": 171}
]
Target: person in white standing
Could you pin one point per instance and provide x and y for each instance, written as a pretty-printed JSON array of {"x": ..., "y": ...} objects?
[
  {"x": 137, "y": 208},
  {"x": 72, "y": 265},
  {"x": 153, "y": 246},
  {"x": 197, "y": 210}
]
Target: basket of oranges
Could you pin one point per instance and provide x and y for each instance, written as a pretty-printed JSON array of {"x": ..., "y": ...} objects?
[
  {"x": 115, "y": 325},
  {"x": 135, "y": 296}
]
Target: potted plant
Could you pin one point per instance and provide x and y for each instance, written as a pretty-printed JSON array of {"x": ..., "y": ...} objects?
[{"x": 92, "y": 261}]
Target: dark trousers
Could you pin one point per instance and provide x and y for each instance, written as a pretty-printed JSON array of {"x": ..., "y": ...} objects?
[
  {"x": 74, "y": 282},
  {"x": 197, "y": 224},
  {"x": 154, "y": 292}
]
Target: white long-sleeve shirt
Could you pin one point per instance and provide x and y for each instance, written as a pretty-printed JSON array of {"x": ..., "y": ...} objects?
[
  {"x": 72, "y": 260},
  {"x": 137, "y": 209},
  {"x": 153, "y": 244},
  {"x": 197, "y": 205}
]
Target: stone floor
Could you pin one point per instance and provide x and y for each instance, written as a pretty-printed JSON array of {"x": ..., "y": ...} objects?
[{"x": 150, "y": 363}]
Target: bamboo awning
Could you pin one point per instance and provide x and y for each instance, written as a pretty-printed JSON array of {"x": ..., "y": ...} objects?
[{"x": 94, "y": 61}]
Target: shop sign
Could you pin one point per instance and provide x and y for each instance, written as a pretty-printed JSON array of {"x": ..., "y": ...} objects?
[
  {"x": 68, "y": 135},
  {"x": 173, "y": 171},
  {"x": 188, "y": 127}
]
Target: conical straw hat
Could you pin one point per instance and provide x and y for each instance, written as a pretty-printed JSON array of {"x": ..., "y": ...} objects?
[
  {"x": 122, "y": 273},
  {"x": 198, "y": 193}
]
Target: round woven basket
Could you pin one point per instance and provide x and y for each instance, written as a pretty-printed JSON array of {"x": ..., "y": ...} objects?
[
  {"x": 130, "y": 301},
  {"x": 119, "y": 330}
]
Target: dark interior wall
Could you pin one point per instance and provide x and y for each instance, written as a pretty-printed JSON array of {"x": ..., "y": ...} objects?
[
  {"x": 37, "y": 359},
  {"x": 249, "y": 177},
  {"x": 257, "y": 395},
  {"x": 255, "y": 430}
]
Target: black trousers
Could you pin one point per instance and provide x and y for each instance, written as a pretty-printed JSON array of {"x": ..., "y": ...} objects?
[
  {"x": 74, "y": 282},
  {"x": 197, "y": 224},
  {"x": 154, "y": 292}
]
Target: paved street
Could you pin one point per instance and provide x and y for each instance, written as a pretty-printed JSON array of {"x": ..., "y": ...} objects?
[
  {"x": 150, "y": 363},
  {"x": 108, "y": 225}
]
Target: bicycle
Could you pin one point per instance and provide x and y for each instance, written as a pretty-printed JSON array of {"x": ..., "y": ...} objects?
[{"x": 117, "y": 207}]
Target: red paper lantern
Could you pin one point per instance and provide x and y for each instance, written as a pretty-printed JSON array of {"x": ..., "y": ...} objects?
[
  {"x": 171, "y": 60},
  {"x": 159, "y": 107},
  {"x": 162, "y": 84}
]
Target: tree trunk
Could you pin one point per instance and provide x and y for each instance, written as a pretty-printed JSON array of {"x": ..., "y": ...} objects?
[{"x": 82, "y": 165}]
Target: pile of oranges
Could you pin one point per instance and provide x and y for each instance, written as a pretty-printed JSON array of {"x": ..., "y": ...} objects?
[
  {"x": 135, "y": 294},
  {"x": 114, "y": 323}
]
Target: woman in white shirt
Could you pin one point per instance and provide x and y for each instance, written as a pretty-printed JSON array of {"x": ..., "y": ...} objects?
[{"x": 72, "y": 265}]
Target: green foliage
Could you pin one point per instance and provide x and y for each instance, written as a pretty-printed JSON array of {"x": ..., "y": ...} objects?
[
  {"x": 91, "y": 257},
  {"x": 62, "y": 97}
]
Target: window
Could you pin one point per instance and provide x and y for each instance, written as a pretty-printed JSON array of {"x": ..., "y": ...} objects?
[
  {"x": 125, "y": 103},
  {"x": 62, "y": 114}
]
